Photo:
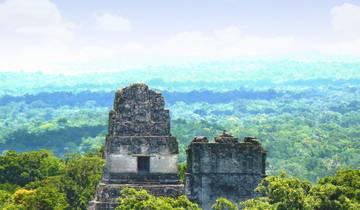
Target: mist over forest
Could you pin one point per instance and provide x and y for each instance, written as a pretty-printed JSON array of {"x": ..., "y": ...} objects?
[{"x": 305, "y": 113}]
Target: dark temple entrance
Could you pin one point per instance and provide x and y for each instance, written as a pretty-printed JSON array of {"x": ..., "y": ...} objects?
[{"x": 143, "y": 164}]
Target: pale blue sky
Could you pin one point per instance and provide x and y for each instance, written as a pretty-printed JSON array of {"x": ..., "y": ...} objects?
[
  {"x": 164, "y": 18},
  {"x": 63, "y": 35}
]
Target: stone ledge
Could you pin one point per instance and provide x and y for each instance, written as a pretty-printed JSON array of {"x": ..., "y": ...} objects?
[{"x": 136, "y": 178}]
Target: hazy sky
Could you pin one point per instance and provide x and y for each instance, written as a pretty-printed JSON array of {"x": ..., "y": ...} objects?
[{"x": 95, "y": 35}]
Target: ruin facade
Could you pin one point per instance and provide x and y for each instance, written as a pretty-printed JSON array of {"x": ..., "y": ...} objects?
[
  {"x": 140, "y": 152},
  {"x": 223, "y": 168},
  {"x": 139, "y": 149}
]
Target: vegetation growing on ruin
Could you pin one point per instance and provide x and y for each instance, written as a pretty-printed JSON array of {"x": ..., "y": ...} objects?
[{"x": 131, "y": 198}]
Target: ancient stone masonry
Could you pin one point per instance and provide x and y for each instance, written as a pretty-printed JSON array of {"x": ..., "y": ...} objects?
[
  {"x": 224, "y": 168},
  {"x": 141, "y": 153},
  {"x": 139, "y": 150}
]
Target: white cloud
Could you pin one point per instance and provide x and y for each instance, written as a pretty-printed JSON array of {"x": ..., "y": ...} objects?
[
  {"x": 346, "y": 19},
  {"x": 229, "y": 42},
  {"x": 34, "y": 35},
  {"x": 112, "y": 22},
  {"x": 226, "y": 43},
  {"x": 346, "y": 22},
  {"x": 343, "y": 48},
  {"x": 40, "y": 18}
]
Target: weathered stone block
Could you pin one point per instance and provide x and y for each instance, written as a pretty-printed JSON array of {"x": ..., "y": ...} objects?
[
  {"x": 139, "y": 149},
  {"x": 225, "y": 168}
]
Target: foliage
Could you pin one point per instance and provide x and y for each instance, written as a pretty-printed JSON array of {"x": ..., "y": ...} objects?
[
  {"x": 224, "y": 204},
  {"x": 341, "y": 191},
  {"x": 306, "y": 115},
  {"x": 4, "y": 197},
  {"x": 9, "y": 187},
  {"x": 334, "y": 192},
  {"x": 213, "y": 75},
  {"x": 182, "y": 171},
  {"x": 52, "y": 183},
  {"x": 131, "y": 198},
  {"x": 81, "y": 178},
  {"x": 310, "y": 128},
  {"x": 22, "y": 168},
  {"x": 43, "y": 198}
]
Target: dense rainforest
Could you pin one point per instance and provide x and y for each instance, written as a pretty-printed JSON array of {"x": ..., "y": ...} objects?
[
  {"x": 39, "y": 180},
  {"x": 305, "y": 113}
]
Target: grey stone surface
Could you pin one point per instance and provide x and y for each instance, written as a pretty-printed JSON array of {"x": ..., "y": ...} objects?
[
  {"x": 139, "y": 126},
  {"x": 139, "y": 111},
  {"x": 225, "y": 168}
]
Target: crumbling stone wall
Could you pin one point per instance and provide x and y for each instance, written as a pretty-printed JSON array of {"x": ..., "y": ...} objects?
[
  {"x": 139, "y": 111},
  {"x": 139, "y": 125},
  {"x": 225, "y": 168},
  {"x": 139, "y": 130}
]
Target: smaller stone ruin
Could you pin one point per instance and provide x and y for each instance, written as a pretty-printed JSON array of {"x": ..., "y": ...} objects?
[{"x": 224, "y": 168}]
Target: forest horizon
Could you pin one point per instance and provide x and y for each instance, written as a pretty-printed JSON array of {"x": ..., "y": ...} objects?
[{"x": 281, "y": 74}]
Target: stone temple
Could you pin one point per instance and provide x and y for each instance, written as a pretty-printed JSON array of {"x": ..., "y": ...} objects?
[
  {"x": 224, "y": 168},
  {"x": 141, "y": 153},
  {"x": 139, "y": 150}
]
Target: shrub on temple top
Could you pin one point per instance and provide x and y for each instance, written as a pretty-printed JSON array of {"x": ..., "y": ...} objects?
[
  {"x": 224, "y": 204},
  {"x": 131, "y": 198}
]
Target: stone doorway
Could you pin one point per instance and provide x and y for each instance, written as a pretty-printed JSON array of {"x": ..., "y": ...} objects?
[{"x": 143, "y": 164}]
